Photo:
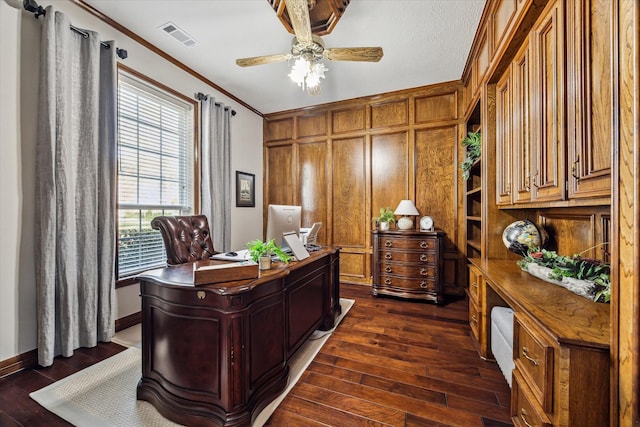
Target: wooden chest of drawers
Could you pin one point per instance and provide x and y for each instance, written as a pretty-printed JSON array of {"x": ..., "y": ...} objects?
[{"x": 408, "y": 264}]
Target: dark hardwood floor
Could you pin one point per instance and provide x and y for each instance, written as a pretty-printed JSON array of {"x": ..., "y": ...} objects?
[
  {"x": 399, "y": 363},
  {"x": 390, "y": 362}
]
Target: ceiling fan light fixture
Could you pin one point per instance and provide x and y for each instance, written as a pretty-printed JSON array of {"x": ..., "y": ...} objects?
[{"x": 307, "y": 74}]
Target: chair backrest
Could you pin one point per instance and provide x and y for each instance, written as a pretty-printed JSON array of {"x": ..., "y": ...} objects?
[{"x": 186, "y": 238}]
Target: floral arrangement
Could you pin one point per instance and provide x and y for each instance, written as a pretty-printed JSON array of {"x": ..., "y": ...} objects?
[{"x": 575, "y": 267}]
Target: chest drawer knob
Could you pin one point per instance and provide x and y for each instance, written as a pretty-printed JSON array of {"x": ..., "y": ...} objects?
[
  {"x": 388, "y": 243},
  {"x": 387, "y": 269},
  {"x": 525, "y": 353},
  {"x": 387, "y": 281},
  {"x": 388, "y": 255},
  {"x": 424, "y": 271},
  {"x": 424, "y": 285},
  {"x": 423, "y": 257},
  {"x": 424, "y": 245}
]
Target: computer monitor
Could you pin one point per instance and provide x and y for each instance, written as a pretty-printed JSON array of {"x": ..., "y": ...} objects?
[{"x": 283, "y": 219}]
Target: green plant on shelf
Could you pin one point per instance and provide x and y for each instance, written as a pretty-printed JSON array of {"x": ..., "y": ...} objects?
[{"x": 473, "y": 143}]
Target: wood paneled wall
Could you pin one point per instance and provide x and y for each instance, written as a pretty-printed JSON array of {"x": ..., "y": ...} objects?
[{"x": 343, "y": 161}]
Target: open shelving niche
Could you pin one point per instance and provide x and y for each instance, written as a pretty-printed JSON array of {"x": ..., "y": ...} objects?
[{"x": 473, "y": 193}]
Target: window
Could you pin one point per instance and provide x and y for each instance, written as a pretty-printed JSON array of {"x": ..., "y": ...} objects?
[{"x": 155, "y": 168}]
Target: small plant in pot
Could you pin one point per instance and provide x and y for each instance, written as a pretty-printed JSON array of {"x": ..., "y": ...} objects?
[
  {"x": 261, "y": 252},
  {"x": 385, "y": 218}
]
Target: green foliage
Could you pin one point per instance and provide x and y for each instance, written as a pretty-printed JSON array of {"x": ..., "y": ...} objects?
[
  {"x": 386, "y": 215},
  {"x": 473, "y": 143},
  {"x": 258, "y": 248},
  {"x": 573, "y": 266}
]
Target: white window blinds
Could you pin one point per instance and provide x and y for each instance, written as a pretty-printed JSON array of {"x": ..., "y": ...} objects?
[{"x": 155, "y": 169}]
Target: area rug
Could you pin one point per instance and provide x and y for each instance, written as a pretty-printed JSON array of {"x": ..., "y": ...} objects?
[{"x": 105, "y": 394}]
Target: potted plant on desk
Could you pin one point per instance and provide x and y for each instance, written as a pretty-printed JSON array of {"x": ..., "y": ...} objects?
[
  {"x": 261, "y": 252},
  {"x": 385, "y": 218}
]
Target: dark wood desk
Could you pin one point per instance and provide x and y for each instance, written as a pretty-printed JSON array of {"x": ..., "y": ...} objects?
[{"x": 217, "y": 354}]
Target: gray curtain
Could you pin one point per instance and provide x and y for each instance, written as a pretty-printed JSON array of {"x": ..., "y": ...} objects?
[
  {"x": 215, "y": 176},
  {"x": 75, "y": 190}
]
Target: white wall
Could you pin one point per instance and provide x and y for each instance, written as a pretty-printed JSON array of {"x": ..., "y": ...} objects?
[{"x": 19, "y": 62}]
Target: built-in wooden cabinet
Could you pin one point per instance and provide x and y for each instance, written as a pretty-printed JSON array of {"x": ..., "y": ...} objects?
[
  {"x": 560, "y": 345},
  {"x": 591, "y": 96},
  {"x": 563, "y": 76},
  {"x": 548, "y": 117},
  {"x": 520, "y": 129},
  {"x": 538, "y": 158},
  {"x": 503, "y": 140}
]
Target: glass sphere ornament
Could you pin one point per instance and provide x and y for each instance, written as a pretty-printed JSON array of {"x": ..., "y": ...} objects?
[{"x": 522, "y": 235}]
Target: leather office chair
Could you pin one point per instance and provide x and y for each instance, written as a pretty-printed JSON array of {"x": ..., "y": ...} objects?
[{"x": 186, "y": 238}]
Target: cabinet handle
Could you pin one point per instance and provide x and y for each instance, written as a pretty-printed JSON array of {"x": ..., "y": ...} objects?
[
  {"x": 388, "y": 255},
  {"x": 387, "y": 269},
  {"x": 388, "y": 243},
  {"x": 535, "y": 179},
  {"x": 525, "y": 353},
  {"x": 424, "y": 285},
  {"x": 424, "y": 245},
  {"x": 523, "y": 417},
  {"x": 387, "y": 281},
  {"x": 474, "y": 318},
  {"x": 424, "y": 272},
  {"x": 424, "y": 257},
  {"x": 574, "y": 168}
]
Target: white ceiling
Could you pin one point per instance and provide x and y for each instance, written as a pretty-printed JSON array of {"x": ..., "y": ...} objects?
[{"x": 424, "y": 42}]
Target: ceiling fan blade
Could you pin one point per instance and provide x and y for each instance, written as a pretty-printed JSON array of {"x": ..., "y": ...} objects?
[
  {"x": 260, "y": 60},
  {"x": 369, "y": 54},
  {"x": 299, "y": 15}
]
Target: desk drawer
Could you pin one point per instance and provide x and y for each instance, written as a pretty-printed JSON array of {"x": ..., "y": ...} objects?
[
  {"x": 533, "y": 357},
  {"x": 525, "y": 411},
  {"x": 475, "y": 280},
  {"x": 474, "y": 319}
]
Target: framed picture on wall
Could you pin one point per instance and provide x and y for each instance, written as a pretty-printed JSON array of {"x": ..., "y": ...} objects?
[{"x": 245, "y": 190}]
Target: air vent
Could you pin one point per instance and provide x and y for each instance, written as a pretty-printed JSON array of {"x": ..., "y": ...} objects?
[{"x": 177, "y": 33}]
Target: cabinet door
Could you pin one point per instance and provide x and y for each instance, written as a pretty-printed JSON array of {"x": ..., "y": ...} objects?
[
  {"x": 520, "y": 134},
  {"x": 503, "y": 140},
  {"x": 548, "y": 149},
  {"x": 591, "y": 96}
]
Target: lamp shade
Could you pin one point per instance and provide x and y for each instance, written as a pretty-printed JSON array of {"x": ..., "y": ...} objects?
[{"x": 406, "y": 207}]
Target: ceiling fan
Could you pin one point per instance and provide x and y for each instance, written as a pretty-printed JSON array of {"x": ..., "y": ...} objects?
[{"x": 308, "y": 51}]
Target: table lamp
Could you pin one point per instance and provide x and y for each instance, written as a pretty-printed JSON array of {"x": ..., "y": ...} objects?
[{"x": 406, "y": 207}]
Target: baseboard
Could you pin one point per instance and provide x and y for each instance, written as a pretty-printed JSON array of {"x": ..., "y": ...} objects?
[
  {"x": 18, "y": 363},
  {"x": 30, "y": 358},
  {"x": 128, "y": 321}
]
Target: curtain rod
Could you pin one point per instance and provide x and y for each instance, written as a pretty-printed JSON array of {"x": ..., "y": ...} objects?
[
  {"x": 37, "y": 10},
  {"x": 201, "y": 97}
]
